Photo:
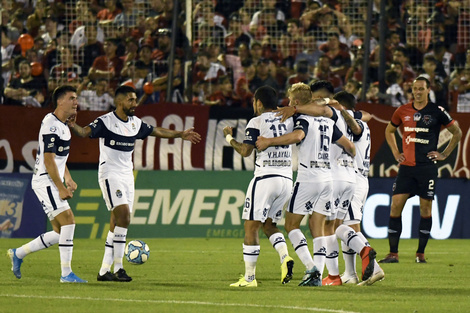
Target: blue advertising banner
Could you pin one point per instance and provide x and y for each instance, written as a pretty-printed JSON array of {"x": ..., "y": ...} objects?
[{"x": 21, "y": 214}]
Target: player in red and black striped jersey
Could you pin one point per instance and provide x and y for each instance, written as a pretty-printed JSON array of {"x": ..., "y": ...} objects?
[{"x": 421, "y": 121}]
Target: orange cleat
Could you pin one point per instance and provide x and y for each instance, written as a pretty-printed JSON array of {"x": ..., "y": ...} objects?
[
  {"x": 368, "y": 256},
  {"x": 332, "y": 280}
]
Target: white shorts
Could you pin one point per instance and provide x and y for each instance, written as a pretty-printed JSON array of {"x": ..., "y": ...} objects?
[
  {"x": 117, "y": 190},
  {"x": 343, "y": 193},
  {"x": 354, "y": 215},
  {"x": 50, "y": 201},
  {"x": 266, "y": 197},
  {"x": 309, "y": 197}
]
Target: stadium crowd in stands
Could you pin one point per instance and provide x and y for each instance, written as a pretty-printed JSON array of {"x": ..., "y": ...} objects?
[{"x": 235, "y": 47}]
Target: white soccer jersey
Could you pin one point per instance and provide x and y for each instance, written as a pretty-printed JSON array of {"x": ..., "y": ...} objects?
[
  {"x": 362, "y": 143},
  {"x": 274, "y": 160},
  {"x": 342, "y": 164},
  {"x": 117, "y": 140},
  {"x": 54, "y": 136},
  {"x": 314, "y": 151}
]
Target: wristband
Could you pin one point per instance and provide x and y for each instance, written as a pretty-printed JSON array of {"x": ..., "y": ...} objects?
[
  {"x": 327, "y": 100},
  {"x": 228, "y": 138}
]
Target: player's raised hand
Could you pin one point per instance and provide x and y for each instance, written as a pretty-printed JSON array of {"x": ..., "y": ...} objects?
[
  {"x": 72, "y": 120},
  {"x": 228, "y": 131},
  {"x": 285, "y": 112},
  {"x": 262, "y": 143},
  {"x": 191, "y": 135}
]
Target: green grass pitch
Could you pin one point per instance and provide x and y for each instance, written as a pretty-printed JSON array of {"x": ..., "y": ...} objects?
[{"x": 193, "y": 275}]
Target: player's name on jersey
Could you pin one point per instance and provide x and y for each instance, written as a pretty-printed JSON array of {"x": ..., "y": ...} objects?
[
  {"x": 279, "y": 154},
  {"x": 282, "y": 163},
  {"x": 345, "y": 163}
]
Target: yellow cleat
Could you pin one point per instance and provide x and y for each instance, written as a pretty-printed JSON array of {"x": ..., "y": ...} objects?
[
  {"x": 286, "y": 269},
  {"x": 243, "y": 283}
]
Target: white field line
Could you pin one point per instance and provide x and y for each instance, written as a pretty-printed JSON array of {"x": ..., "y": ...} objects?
[{"x": 244, "y": 305}]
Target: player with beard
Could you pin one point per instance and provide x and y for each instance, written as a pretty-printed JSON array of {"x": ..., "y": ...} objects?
[{"x": 118, "y": 131}]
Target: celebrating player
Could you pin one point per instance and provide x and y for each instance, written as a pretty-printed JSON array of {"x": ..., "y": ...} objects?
[
  {"x": 48, "y": 185},
  {"x": 270, "y": 188},
  {"x": 118, "y": 132}
]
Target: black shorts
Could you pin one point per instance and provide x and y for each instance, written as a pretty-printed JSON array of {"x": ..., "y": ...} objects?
[{"x": 416, "y": 180}]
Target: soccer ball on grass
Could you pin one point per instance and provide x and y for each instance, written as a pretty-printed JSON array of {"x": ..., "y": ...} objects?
[{"x": 137, "y": 252}]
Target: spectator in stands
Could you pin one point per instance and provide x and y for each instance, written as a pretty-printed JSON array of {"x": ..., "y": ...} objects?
[
  {"x": 128, "y": 16},
  {"x": 132, "y": 77},
  {"x": 242, "y": 88},
  {"x": 81, "y": 10},
  {"x": 400, "y": 54},
  {"x": 374, "y": 57},
  {"x": 26, "y": 90},
  {"x": 256, "y": 51},
  {"x": 225, "y": 95},
  {"x": 79, "y": 37},
  {"x": 8, "y": 55},
  {"x": 206, "y": 70},
  {"x": 110, "y": 11},
  {"x": 301, "y": 75},
  {"x": 236, "y": 35},
  {"x": 459, "y": 88},
  {"x": 52, "y": 29},
  {"x": 445, "y": 60},
  {"x": 150, "y": 33},
  {"x": 355, "y": 71},
  {"x": 144, "y": 62},
  {"x": 61, "y": 71},
  {"x": 263, "y": 76},
  {"x": 108, "y": 66},
  {"x": 156, "y": 8},
  {"x": 36, "y": 19},
  {"x": 96, "y": 96},
  {"x": 354, "y": 87},
  {"x": 397, "y": 95},
  {"x": 337, "y": 52},
  {"x": 309, "y": 51},
  {"x": 268, "y": 7},
  {"x": 90, "y": 50},
  {"x": 323, "y": 72},
  {"x": 438, "y": 93}
]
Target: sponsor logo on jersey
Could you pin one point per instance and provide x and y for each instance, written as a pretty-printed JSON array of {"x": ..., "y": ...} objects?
[
  {"x": 410, "y": 139},
  {"x": 407, "y": 118},
  {"x": 417, "y": 129}
]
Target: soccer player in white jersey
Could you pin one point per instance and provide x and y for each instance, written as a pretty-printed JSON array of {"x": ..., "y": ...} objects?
[
  {"x": 313, "y": 189},
  {"x": 118, "y": 131},
  {"x": 353, "y": 218},
  {"x": 50, "y": 172},
  {"x": 270, "y": 188}
]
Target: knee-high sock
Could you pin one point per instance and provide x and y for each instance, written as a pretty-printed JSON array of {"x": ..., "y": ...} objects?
[
  {"x": 332, "y": 248},
  {"x": 66, "y": 248},
  {"x": 119, "y": 244},
  {"x": 350, "y": 238},
  {"x": 319, "y": 253},
  {"x": 394, "y": 233},
  {"x": 279, "y": 243},
  {"x": 425, "y": 225},
  {"x": 299, "y": 242},
  {"x": 43, "y": 241},
  {"x": 250, "y": 256},
  {"x": 349, "y": 257},
  {"x": 108, "y": 254}
]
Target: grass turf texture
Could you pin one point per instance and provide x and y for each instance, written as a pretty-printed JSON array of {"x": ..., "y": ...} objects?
[{"x": 193, "y": 275}]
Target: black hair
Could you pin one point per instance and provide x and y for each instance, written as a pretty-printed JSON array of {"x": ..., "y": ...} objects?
[
  {"x": 428, "y": 83},
  {"x": 60, "y": 91},
  {"x": 123, "y": 90},
  {"x": 268, "y": 96},
  {"x": 322, "y": 84},
  {"x": 346, "y": 99}
]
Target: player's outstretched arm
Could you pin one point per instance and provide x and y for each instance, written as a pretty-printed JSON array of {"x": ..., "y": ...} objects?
[
  {"x": 243, "y": 149},
  {"x": 294, "y": 137},
  {"x": 77, "y": 129},
  {"x": 188, "y": 134}
]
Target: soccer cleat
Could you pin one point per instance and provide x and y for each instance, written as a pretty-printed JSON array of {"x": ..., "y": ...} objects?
[
  {"x": 368, "y": 256},
  {"x": 15, "y": 262},
  {"x": 351, "y": 279},
  {"x": 121, "y": 275},
  {"x": 286, "y": 269},
  {"x": 390, "y": 258},
  {"x": 72, "y": 278},
  {"x": 420, "y": 258},
  {"x": 312, "y": 277},
  {"x": 106, "y": 277},
  {"x": 243, "y": 283},
  {"x": 331, "y": 280},
  {"x": 377, "y": 276}
]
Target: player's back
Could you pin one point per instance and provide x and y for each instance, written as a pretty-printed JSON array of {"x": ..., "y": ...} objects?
[
  {"x": 342, "y": 164},
  {"x": 362, "y": 143},
  {"x": 277, "y": 159}
]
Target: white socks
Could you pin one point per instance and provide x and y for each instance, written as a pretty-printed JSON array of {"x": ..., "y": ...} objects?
[
  {"x": 250, "y": 256},
  {"x": 299, "y": 242},
  {"x": 332, "y": 248},
  {"x": 279, "y": 243},
  {"x": 319, "y": 253},
  {"x": 108, "y": 254},
  {"x": 43, "y": 241},
  {"x": 119, "y": 244},
  {"x": 66, "y": 248}
]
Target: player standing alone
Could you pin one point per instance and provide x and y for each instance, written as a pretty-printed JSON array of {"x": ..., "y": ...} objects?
[
  {"x": 118, "y": 131},
  {"x": 48, "y": 185},
  {"x": 270, "y": 188},
  {"x": 422, "y": 121}
]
